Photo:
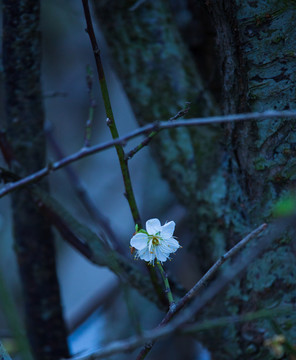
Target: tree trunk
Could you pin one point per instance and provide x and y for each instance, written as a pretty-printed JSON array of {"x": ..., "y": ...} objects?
[
  {"x": 259, "y": 38},
  {"x": 228, "y": 176},
  {"x": 34, "y": 243}
]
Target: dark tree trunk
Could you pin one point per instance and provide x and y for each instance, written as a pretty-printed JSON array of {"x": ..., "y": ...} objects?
[
  {"x": 260, "y": 61},
  {"x": 34, "y": 243},
  {"x": 228, "y": 176}
]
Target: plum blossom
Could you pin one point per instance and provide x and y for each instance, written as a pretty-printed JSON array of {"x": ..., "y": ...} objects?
[{"x": 157, "y": 242}]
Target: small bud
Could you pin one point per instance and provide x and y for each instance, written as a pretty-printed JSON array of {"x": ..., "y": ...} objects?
[
  {"x": 108, "y": 122},
  {"x": 132, "y": 249}
]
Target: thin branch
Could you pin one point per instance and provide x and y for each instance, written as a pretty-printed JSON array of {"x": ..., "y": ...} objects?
[
  {"x": 151, "y": 135},
  {"x": 227, "y": 320},
  {"x": 98, "y": 217},
  {"x": 201, "y": 283},
  {"x": 142, "y": 144},
  {"x": 156, "y": 126},
  {"x": 55, "y": 94},
  {"x": 209, "y": 274},
  {"x": 109, "y": 113},
  {"x": 101, "y": 299},
  {"x": 178, "y": 324},
  {"x": 137, "y": 4},
  {"x": 92, "y": 106}
]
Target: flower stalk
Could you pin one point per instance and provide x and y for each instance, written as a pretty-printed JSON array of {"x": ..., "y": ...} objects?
[
  {"x": 156, "y": 243},
  {"x": 166, "y": 284}
]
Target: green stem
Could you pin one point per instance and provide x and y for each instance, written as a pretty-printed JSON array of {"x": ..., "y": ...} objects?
[
  {"x": 91, "y": 111},
  {"x": 144, "y": 143},
  {"x": 129, "y": 193},
  {"x": 110, "y": 118},
  {"x": 166, "y": 284},
  {"x": 120, "y": 153}
]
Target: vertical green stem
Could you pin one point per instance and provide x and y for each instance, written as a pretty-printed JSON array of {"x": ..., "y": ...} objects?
[
  {"x": 166, "y": 284},
  {"x": 110, "y": 119},
  {"x": 91, "y": 111},
  {"x": 129, "y": 193}
]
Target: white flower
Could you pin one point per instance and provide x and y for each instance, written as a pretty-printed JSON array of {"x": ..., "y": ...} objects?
[{"x": 156, "y": 242}]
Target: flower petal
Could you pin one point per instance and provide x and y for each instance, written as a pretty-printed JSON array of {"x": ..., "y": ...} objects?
[
  {"x": 146, "y": 255},
  {"x": 165, "y": 249},
  {"x": 167, "y": 230},
  {"x": 172, "y": 244},
  {"x": 153, "y": 226},
  {"x": 160, "y": 255},
  {"x": 139, "y": 241}
]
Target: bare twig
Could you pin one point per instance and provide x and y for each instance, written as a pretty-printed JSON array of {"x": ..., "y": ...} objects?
[
  {"x": 92, "y": 105},
  {"x": 102, "y": 298},
  {"x": 97, "y": 216},
  {"x": 209, "y": 274},
  {"x": 142, "y": 144},
  {"x": 54, "y": 94},
  {"x": 137, "y": 4},
  {"x": 226, "y": 320},
  {"x": 156, "y": 126},
  {"x": 152, "y": 134}
]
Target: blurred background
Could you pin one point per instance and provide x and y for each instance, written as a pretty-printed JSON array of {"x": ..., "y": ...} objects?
[{"x": 95, "y": 304}]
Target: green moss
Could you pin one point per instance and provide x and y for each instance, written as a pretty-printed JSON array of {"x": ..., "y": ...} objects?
[
  {"x": 260, "y": 164},
  {"x": 278, "y": 39},
  {"x": 272, "y": 266}
]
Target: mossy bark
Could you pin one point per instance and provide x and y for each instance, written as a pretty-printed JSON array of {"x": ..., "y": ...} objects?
[
  {"x": 34, "y": 242},
  {"x": 262, "y": 159}
]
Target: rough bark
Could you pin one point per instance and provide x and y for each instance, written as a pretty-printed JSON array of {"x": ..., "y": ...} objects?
[
  {"x": 34, "y": 243},
  {"x": 227, "y": 176},
  {"x": 255, "y": 39}
]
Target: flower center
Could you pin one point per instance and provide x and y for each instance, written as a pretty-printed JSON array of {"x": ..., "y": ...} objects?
[{"x": 155, "y": 240}]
